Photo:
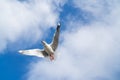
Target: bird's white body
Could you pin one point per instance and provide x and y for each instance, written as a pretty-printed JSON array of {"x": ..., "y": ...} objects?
[{"x": 49, "y": 49}]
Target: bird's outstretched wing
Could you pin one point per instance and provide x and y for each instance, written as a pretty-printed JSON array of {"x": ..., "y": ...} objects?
[
  {"x": 34, "y": 52},
  {"x": 55, "y": 40}
]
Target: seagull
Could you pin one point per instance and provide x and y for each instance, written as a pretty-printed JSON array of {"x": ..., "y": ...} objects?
[{"x": 49, "y": 49}]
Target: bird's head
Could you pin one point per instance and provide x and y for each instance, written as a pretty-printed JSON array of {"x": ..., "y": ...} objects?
[{"x": 43, "y": 42}]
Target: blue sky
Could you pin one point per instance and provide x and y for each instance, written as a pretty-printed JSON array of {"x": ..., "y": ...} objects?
[{"x": 89, "y": 39}]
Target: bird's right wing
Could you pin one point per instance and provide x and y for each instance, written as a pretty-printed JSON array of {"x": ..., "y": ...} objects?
[
  {"x": 34, "y": 52},
  {"x": 55, "y": 40}
]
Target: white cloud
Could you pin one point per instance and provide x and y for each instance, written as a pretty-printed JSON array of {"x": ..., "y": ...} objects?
[
  {"x": 26, "y": 19},
  {"x": 93, "y": 6},
  {"x": 88, "y": 52}
]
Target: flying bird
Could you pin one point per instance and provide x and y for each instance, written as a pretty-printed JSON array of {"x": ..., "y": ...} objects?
[{"x": 49, "y": 49}]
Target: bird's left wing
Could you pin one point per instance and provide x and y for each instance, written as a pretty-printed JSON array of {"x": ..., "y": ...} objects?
[{"x": 34, "y": 52}]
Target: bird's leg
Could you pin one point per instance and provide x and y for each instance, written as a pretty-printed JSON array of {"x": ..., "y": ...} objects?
[{"x": 51, "y": 57}]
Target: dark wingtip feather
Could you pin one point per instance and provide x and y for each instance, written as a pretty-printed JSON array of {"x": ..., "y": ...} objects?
[{"x": 58, "y": 26}]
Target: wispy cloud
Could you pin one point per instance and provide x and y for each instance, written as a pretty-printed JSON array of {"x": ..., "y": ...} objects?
[
  {"x": 88, "y": 52},
  {"x": 28, "y": 17}
]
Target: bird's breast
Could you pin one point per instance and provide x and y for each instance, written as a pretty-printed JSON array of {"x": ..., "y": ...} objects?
[{"x": 49, "y": 49}]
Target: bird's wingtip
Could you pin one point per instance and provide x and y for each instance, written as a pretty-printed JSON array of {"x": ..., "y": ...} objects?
[
  {"x": 59, "y": 24},
  {"x": 20, "y": 51}
]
